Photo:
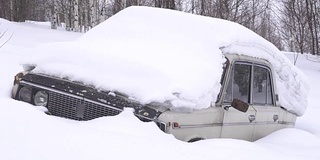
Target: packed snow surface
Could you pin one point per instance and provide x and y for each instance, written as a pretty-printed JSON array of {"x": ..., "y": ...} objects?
[
  {"x": 165, "y": 56},
  {"x": 28, "y": 133}
]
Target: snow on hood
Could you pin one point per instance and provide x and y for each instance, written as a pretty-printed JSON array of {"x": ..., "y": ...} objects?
[{"x": 160, "y": 55}]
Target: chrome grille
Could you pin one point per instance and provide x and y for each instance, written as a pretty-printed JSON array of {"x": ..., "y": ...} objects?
[
  {"x": 66, "y": 106},
  {"x": 93, "y": 111}
]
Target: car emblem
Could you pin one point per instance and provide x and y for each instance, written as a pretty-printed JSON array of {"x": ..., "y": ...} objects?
[{"x": 80, "y": 110}]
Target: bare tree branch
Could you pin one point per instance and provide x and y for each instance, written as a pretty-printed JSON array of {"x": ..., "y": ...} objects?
[{"x": 2, "y": 36}]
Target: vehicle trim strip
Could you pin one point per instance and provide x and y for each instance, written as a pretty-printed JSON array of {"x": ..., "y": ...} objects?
[
  {"x": 230, "y": 124},
  {"x": 198, "y": 125}
]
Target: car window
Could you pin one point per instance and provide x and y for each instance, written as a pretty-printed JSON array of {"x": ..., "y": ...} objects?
[
  {"x": 223, "y": 77},
  {"x": 225, "y": 66},
  {"x": 249, "y": 83},
  {"x": 239, "y": 83},
  {"x": 261, "y": 89}
]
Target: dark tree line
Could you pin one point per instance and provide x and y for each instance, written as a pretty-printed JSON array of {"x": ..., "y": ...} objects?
[
  {"x": 21, "y": 10},
  {"x": 292, "y": 25},
  {"x": 301, "y": 25}
]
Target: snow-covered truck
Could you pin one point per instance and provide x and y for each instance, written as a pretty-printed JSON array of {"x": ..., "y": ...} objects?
[{"x": 196, "y": 77}]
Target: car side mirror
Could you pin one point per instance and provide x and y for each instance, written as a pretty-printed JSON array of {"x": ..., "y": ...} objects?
[{"x": 240, "y": 105}]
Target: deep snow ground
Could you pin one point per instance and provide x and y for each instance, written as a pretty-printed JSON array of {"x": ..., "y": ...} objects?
[{"x": 27, "y": 133}]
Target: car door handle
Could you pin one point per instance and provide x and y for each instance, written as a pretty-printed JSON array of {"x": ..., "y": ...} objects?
[
  {"x": 275, "y": 118},
  {"x": 251, "y": 118}
]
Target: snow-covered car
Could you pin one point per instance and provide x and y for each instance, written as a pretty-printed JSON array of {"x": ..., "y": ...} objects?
[{"x": 195, "y": 77}]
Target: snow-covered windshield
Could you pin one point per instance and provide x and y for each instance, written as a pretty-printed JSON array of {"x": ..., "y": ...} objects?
[{"x": 160, "y": 55}]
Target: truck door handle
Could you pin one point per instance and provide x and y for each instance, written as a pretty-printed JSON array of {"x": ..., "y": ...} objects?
[
  {"x": 251, "y": 118},
  {"x": 275, "y": 118}
]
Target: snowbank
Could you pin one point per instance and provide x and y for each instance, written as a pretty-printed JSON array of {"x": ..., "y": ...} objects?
[{"x": 163, "y": 55}]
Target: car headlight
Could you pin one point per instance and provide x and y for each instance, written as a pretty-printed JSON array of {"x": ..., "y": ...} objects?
[
  {"x": 41, "y": 98},
  {"x": 25, "y": 94}
]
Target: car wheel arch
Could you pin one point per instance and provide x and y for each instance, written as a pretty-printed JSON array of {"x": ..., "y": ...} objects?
[{"x": 195, "y": 139}]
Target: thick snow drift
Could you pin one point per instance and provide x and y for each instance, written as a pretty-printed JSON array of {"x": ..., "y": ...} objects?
[
  {"x": 165, "y": 56},
  {"x": 28, "y": 133}
]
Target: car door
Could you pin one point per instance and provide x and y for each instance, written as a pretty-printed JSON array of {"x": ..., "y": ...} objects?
[
  {"x": 237, "y": 124},
  {"x": 267, "y": 113},
  {"x": 287, "y": 119}
]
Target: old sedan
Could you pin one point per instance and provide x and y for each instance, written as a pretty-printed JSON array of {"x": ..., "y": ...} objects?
[{"x": 210, "y": 78}]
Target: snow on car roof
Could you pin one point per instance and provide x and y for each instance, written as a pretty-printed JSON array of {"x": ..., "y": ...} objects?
[{"x": 160, "y": 55}]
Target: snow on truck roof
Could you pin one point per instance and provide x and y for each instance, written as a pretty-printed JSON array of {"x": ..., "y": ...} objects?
[{"x": 160, "y": 55}]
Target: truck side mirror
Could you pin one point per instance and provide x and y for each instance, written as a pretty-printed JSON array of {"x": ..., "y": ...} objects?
[{"x": 240, "y": 105}]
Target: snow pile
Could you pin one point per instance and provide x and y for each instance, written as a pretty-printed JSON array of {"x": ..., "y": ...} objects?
[
  {"x": 36, "y": 23},
  {"x": 163, "y": 55},
  {"x": 28, "y": 133}
]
